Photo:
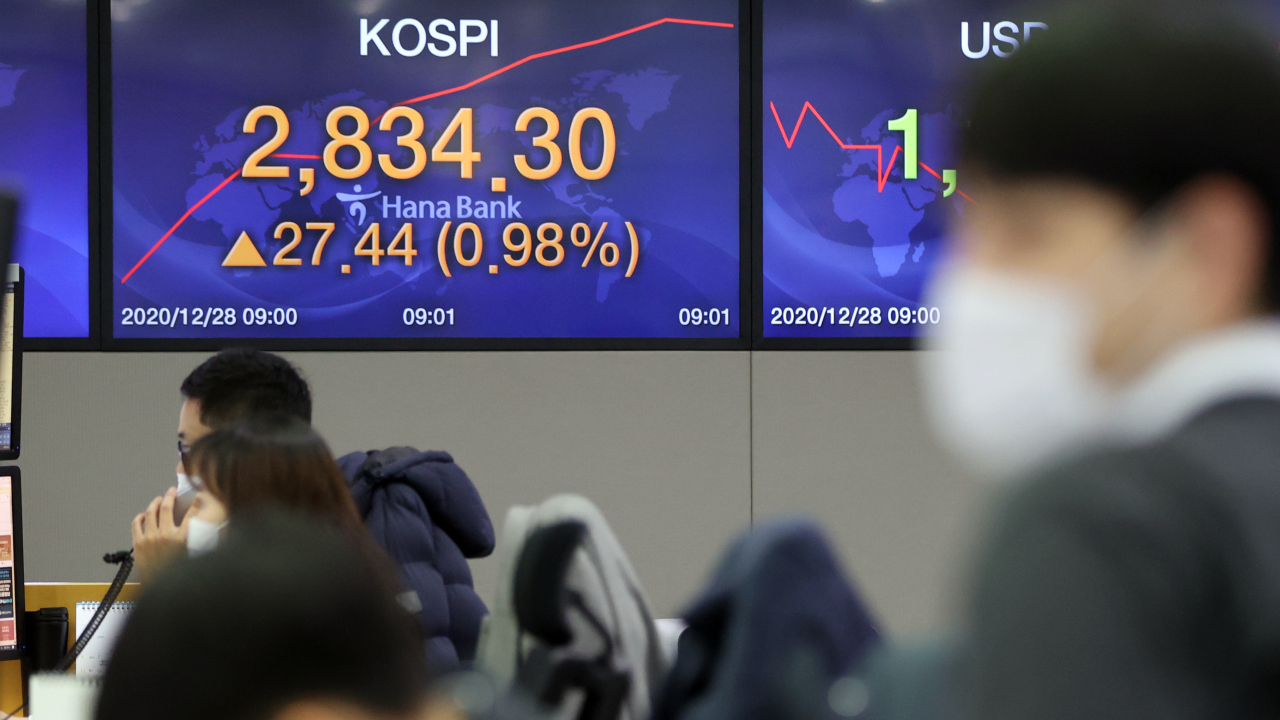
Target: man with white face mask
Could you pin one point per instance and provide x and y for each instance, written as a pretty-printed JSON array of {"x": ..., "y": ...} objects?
[
  {"x": 230, "y": 386},
  {"x": 420, "y": 507},
  {"x": 1111, "y": 342}
]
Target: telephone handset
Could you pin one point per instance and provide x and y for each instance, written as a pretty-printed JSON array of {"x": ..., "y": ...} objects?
[
  {"x": 186, "y": 496},
  {"x": 182, "y": 503}
]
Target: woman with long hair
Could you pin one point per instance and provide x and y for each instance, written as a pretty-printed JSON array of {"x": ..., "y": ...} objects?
[{"x": 263, "y": 461}]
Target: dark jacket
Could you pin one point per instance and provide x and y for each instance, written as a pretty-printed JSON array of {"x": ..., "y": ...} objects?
[
  {"x": 423, "y": 510},
  {"x": 766, "y": 640},
  {"x": 1139, "y": 582}
]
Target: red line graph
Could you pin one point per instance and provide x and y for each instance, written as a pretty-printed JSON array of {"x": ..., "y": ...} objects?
[
  {"x": 196, "y": 206},
  {"x": 473, "y": 83},
  {"x": 181, "y": 220},
  {"x": 882, "y": 172},
  {"x": 567, "y": 48}
]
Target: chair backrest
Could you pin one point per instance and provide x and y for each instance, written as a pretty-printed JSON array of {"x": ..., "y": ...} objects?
[
  {"x": 545, "y": 606},
  {"x": 570, "y": 615},
  {"x": 541, "y": 596}
]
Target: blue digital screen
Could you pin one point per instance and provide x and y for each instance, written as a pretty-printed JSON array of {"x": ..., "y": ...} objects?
[
  {"x": 860, "y": 181},
  {"x": 44, "y": 155},
  {"x": 507, "y": 169}
]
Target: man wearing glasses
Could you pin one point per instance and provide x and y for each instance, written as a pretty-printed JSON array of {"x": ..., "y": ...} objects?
[{"x": 230, "y": 386}]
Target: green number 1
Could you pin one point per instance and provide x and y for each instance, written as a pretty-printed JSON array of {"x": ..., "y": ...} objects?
[{"x": 908, "y": 126}]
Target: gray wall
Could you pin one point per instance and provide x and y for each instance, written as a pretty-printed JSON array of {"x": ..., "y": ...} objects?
[{"x": 680, "y": 449}]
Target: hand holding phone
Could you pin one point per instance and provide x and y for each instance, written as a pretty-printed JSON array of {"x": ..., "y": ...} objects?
[{"x": 158, "y": 535}]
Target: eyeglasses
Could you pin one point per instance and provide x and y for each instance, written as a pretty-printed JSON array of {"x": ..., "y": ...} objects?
[{"x": 183, "y": 450}]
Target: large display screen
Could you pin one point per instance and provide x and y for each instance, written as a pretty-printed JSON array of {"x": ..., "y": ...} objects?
[
  {"x": 859, "y": 173},
  {"x": 44, "y": 155},
  {"x": 382, "y": 169}
]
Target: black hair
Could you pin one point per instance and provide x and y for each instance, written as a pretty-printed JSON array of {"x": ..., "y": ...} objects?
[
  {"x": 281, "y": 611},
  {"x": 1141, "y": 99},
  {"x": 237, "y": 383}
]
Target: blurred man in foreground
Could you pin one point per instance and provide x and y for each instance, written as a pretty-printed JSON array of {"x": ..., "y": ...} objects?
[
  {"x": 283, "y": 621},
  {"x": 1112, "y": 336}
]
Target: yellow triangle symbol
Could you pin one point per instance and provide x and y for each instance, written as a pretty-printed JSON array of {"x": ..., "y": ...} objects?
[{"x": 244, "y": 254}]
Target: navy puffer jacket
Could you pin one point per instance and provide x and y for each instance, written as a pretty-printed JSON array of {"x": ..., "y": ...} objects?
[
  {"x": 778, "y": 624},
  {"x": 423, "y": 510}
]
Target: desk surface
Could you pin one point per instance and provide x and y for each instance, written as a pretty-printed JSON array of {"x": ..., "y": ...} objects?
[{"x": 43, "y": 595}]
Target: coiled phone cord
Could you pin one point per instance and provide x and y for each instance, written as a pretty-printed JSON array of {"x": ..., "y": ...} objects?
[{"x": 124, "y": 559}]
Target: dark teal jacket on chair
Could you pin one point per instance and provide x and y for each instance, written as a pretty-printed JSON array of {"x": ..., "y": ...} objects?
[
  {"x": 778, "y": 624},
  {"x": 425, "y": 512}
]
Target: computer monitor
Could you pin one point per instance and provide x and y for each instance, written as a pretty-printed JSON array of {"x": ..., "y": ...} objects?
[
  {"x": 11, "y": 309},
  {"x": 11, "y": 572},
  {"x": 8, "y": 225}
]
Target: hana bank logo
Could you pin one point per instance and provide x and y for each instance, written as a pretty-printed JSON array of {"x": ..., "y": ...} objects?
[
  {"x": 998, "y": 39},
  {"x": 355, "y": 205}
]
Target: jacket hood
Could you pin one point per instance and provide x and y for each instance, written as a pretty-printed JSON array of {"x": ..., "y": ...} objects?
[{"x": 449, "y": 495}]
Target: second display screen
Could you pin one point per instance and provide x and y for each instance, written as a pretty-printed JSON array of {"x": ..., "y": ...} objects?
[{"x": 860, "y": 177}]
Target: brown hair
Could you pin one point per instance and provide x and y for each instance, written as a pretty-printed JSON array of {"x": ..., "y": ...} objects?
[{"x": 277, "y": 460}]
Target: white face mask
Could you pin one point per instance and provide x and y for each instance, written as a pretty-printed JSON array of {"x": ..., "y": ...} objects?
[
  {"x": 1008, "y": 380},
  {"x": 202, "y": 536}
]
